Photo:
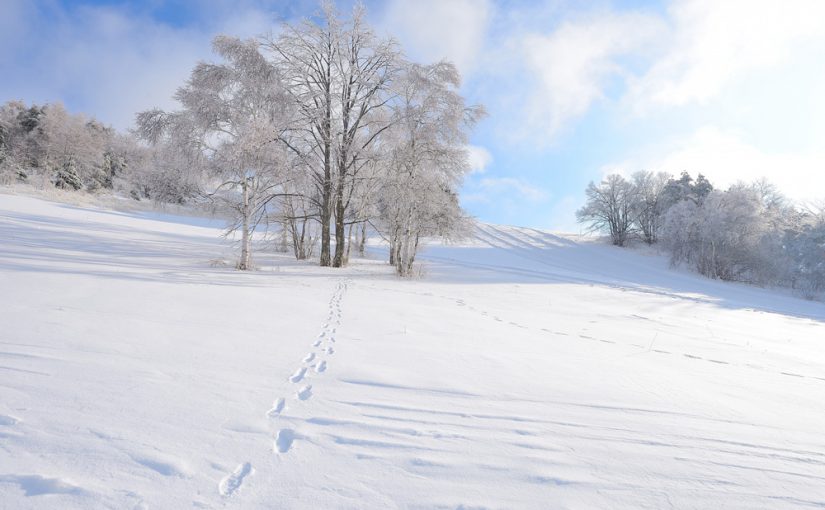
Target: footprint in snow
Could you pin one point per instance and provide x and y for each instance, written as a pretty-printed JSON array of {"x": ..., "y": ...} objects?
[
  {"x": 316, "y": 343},
  {"x": 309, "y": 357},
  {"x": 322, "y": 334},
  {"x": 298, "y": 375},
  {"x": 233, "y": 482},
  {"x": 321, "y": 366},
  {"x": 8, "y": 421},
  {"x": 304, "y": 393},
  {"x": 36, "y": 485},
  {"x": 330, "y": 350},
  {"x": 284, "y": 439},
  {"x": 277, "y": 407}
]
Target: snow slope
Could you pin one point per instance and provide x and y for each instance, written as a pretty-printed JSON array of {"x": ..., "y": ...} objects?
[{"x": 525, "y": 370}]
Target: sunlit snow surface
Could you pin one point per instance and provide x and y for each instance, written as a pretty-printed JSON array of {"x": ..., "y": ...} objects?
[{"x": 522, "y": 370}]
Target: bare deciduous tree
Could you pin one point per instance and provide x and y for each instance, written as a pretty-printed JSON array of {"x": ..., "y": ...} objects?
[
  {"x": 609, "y": 207},
  {"x": 649, "y": 206},
  {"x": 337, "y": 73}
]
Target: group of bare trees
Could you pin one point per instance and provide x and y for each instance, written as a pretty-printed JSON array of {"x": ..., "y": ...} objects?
[
  {"x": 322, "y": 131},
  {"x": 748, "y": 232},
  {"x": 636, "y": 208}
]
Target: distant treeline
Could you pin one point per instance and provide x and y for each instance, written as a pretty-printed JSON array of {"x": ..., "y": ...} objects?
[
  {"x": 45, "y": 145},
  {"x": 748, "y": 233}
]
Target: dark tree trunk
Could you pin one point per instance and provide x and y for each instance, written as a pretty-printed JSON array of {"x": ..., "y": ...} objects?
[
  {"x": 326, "y": 208},
  {"x": 362, "y": 243},
  {"x": 340, "y": 233},
  {"x": 325, "y": 234}
]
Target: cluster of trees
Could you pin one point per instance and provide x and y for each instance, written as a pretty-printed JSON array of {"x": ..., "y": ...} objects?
[
  {"x": 320, "y": 132},
  {"x": 47, "y": 143},
  {"x": 747, "y": 233},
  {"x": 317, "y": 135}
]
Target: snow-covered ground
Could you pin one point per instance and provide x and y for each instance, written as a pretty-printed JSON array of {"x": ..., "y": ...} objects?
[{"x": 524, "y": 370}]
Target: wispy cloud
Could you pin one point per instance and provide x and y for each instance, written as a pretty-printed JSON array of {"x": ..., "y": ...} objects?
[
  {"x": 710, "y": 44},
  {"x": 432, "y": 30},
  {"x": 572, "y": 67},
  {"x": 108, "y": 61},
  {"x": 501, "y": 189}
]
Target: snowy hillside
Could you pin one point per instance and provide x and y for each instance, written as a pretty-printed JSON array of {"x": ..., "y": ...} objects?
[{"x": 524, "y": 370}]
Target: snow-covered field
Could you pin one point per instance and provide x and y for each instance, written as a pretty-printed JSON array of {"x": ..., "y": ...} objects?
[{"x": 524, "y": 370}]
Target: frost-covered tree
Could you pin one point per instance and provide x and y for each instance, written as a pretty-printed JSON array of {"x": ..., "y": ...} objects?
[
  {"x": 610, "y": 207},
  {"x": 298, "y": 215},
  {"x": 748, "y": 233},
  {"x": 803, "y": 245},
  {"x": 426, "y": 160},
  {"x": 685, "y": 188},
  {"x": 44, "y": 140},
  {"x": 725, "y": 237},
  {"x": 231, "y": 113},
  {"x": 305, "y": 55},
  {"x": 66, "y": 176},
  {"x": 649, "y": 203},
  {"x": 366, "y": 66},
  {"x": 337, "y": 73}
]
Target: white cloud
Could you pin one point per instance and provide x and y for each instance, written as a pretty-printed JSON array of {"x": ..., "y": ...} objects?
[
  {"x": 572, "y": 66},
  {"x": 725, "y": 158},
  {"x": 479, "y": 159},
  {"x": 692, "y": 54},
  {"x": 109, "y": 62},
  {"x": 712, "y": 43},
  {"x": 431, "y": 30}
]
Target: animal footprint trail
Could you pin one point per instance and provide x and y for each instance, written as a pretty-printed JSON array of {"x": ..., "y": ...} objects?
[
  {"x": 309, "y": 357},
  {"x": 231, "y": 483},
  {"x": 321, "y": 366}
]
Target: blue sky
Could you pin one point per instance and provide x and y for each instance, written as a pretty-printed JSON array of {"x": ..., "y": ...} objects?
[{"x": 574, "y": 89}]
